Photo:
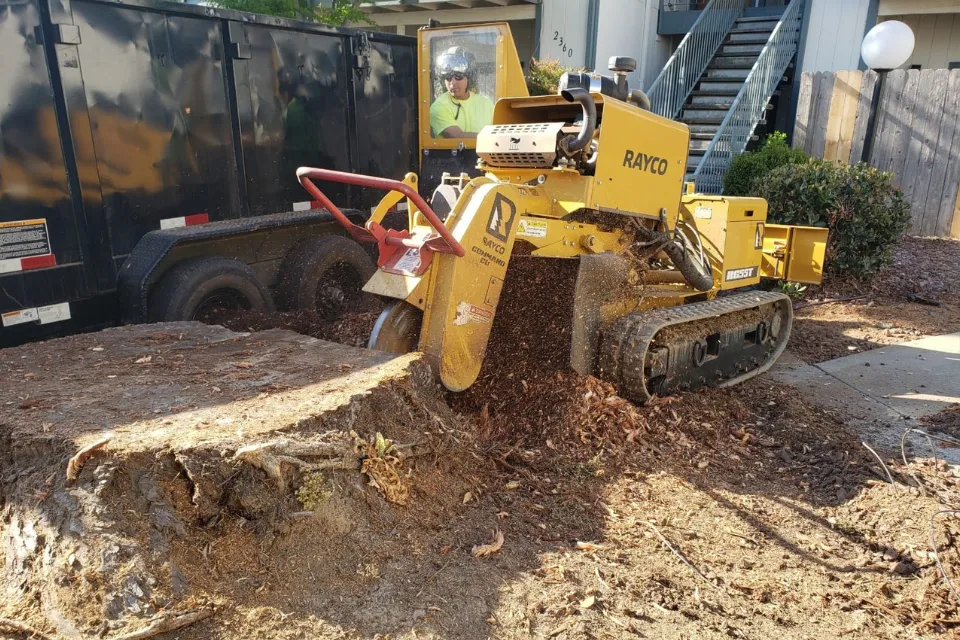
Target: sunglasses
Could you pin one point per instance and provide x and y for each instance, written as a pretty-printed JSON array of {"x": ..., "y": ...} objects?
[{"x": 455, "y": 76}]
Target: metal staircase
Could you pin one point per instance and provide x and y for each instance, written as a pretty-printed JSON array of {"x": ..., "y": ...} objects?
[{"x": 720, "y": 80}]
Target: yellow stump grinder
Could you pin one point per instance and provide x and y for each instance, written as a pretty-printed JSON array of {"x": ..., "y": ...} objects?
[{"x": 665, "y": 297}]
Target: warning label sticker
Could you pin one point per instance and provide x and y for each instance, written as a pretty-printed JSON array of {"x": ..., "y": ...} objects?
[
  {"x": 467, "y": 313},
  {"x": 409, "y": 261},
  {"x": 532, "y": 229},
  {"x": 24, "y": 239},
  {"x": 42, "y": 315},
  {"x": 12, "y": 318}
]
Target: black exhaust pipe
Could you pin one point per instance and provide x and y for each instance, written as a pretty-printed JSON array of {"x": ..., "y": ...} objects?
[{"x": 589, "y": 118}]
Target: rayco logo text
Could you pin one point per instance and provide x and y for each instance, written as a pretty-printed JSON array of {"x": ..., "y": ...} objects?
[{"x": 643, "y": 162}]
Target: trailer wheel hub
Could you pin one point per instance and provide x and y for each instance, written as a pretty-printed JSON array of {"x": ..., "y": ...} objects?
[{"x": 330, "y": 300}]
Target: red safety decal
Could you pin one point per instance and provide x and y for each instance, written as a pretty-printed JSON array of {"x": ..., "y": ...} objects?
[
  {"x": 184, "y": 221},
  {"x": 38, "y": 262}
]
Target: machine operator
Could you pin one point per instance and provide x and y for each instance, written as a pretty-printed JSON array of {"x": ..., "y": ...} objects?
[{"x": 459, "y": 112}]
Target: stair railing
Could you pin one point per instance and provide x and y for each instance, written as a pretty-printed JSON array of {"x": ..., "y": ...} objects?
[
  {"x": 750, "y": 105},
  {"x": 670, "y": 90}
]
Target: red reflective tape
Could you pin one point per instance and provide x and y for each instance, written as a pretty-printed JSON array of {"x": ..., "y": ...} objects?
[
  {"x": 38, "y": 262},
  {"x": 197, "y": 218},
  {"x": 316, "y": 204}
]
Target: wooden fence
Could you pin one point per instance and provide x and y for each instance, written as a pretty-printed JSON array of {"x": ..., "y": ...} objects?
[{"x": 917, "y": 134}]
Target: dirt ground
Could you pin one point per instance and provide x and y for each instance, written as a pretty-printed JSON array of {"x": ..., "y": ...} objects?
[
  {"x": 916, "y": 297},
  {"x": 743, "y": 513}
]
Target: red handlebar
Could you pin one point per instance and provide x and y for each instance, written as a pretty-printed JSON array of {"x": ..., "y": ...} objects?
[{"x": 449, "y": 245}]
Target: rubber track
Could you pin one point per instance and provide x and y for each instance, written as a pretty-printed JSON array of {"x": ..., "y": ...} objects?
[{"x": 623, "y": 348}]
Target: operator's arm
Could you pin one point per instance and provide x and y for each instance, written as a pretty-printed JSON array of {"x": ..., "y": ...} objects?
[{"x": 456, "y": 132}]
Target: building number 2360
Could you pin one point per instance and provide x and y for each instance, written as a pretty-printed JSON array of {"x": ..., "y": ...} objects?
[{"x": 566, "y": 50}]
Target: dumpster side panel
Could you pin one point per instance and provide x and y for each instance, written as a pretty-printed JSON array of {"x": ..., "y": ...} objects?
[
  {"x": 40, "y": 247},
  {"x": 156, "y": 95},
  {"x": 292, "y": 95},
  {"x": 123, "y": 117}
]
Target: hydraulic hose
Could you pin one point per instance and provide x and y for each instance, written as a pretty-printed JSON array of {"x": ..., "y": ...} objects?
[
  {"x": 589, "y": 118},
  {"x": 681, "y": 259}
]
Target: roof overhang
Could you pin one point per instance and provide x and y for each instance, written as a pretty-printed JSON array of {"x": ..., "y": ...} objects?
[
  {"x": 416, "y": 12},
  {"x": 907, "y": 7}
]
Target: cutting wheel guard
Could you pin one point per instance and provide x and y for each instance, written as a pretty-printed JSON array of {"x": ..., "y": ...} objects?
[{"x": 388, "y": 240}]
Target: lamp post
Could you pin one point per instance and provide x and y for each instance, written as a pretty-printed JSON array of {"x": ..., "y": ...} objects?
[{"x": 885, "y": 47}]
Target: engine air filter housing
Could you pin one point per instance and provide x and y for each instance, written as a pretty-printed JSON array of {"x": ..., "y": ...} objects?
[{"x": 529, "y": 145}]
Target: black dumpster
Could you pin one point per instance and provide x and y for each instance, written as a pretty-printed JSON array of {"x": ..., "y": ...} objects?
[{"x": 118, "y": 119}]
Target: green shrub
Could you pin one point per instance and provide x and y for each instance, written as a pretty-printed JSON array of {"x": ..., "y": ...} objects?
[
  {"x": 747, "y": 168},
  {"x": 865, "y": 213},
  {"x": 544, "y": 76}
]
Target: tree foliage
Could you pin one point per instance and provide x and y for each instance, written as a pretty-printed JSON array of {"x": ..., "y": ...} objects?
[{"x": 340, "y": 13}]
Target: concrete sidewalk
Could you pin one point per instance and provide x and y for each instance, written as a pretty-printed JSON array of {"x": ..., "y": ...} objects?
[{"x": 883, "y": 391}]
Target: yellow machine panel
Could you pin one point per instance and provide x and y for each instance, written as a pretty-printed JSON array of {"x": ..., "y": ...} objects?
[
  {"x": 732, "y": 232},
  {"x": 796, "y": 254},
  {"x": 464, "y": 291},
  {"x": 642, "y": 164}
]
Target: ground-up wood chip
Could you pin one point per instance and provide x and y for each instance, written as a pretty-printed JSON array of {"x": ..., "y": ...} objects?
[{"x": 483, "y": 550}]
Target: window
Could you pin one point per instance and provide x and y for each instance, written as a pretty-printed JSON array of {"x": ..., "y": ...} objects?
[
  {"x": 954, "y": 65},
  {"x": 463, "y": 78}
]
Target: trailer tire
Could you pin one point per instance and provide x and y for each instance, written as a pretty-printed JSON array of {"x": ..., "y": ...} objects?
[
  {"x": 194, "y": 286},
  {"x": 324, "y": 274}
]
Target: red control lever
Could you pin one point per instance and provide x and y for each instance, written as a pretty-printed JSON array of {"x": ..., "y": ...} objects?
[{"x": 374, "y": 232}]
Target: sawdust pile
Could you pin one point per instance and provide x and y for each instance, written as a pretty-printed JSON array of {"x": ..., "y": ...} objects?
[
  {"x": 730, "y": 448},
  {"x": 526, "y": 391}
]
